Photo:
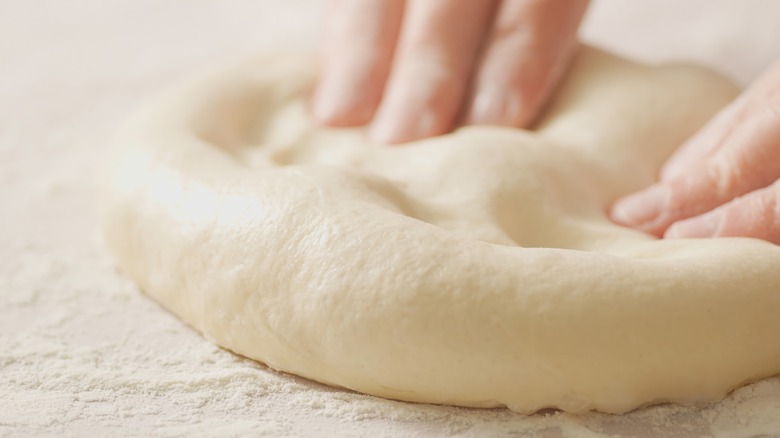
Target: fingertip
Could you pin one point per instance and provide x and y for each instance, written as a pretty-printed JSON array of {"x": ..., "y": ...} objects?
[
  {"x": 673, "y": 233},
  {"x": 337, "y": 103},
  {"x": 323, "y": 108},
  {"x": 494, "y": 106},
  {"x": 529, "y": 49},
  {"x": 398, "y": 125},
  {"x": 357, "y": 51},
  {"x": 642, "y": 209},
  {"x": 431, "y": 69}
]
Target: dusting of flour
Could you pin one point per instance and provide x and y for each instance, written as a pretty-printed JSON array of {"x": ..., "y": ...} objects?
[
  {"x": 82, "y": 353},
  {"x": 149, "y": 375}
]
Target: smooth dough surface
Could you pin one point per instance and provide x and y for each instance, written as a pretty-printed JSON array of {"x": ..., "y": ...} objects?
[{"x": 476, "y": 268}]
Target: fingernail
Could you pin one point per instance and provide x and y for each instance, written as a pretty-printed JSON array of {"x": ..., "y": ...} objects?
[
  {"x": 706, "y": 225},
  {"x": 494, "y": 106},
  {"x": 391, "y": 129},
  {"x": 640, "y": 208}
]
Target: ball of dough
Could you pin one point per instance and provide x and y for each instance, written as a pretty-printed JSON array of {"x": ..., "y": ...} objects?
[{"x": 476, "y": 268}]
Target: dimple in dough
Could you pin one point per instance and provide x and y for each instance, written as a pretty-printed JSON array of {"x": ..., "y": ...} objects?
[{"x": 476, "y": 268}]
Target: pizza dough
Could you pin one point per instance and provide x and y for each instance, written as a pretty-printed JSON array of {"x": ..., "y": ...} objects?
[{"x": 475, "y": 269}]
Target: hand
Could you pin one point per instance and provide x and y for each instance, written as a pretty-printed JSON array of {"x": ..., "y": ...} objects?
[
  {"x": 409, "y": 67},
  {"x": 725, "y": 181}
]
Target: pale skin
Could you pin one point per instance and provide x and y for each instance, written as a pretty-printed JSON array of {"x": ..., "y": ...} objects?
[{"x": 417, "y": 68}]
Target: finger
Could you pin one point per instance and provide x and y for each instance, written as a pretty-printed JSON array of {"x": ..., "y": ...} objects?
[
  {"x": 360, "y": 38},
  {"x": 704, "y": 142},
  {"x": 531, "y": 44},
  {"x": 433, "y": 63},
  {"x": 754, "y": 215},
  {"x": 714, "y": 135},
  {"x": 747, "y": 159}
]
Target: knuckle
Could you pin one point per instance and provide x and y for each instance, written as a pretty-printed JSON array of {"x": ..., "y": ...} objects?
[
  {"x": 733, "y": 173},
  {"x": 725, "y": 175}
]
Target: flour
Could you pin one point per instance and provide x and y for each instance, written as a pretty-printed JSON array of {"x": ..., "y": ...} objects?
[{"x": 48, "y": 385}]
